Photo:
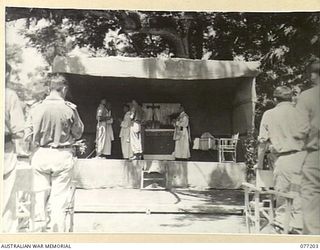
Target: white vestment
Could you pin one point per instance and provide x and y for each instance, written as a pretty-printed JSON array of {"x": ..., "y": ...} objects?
[
  {"x": 125, "y": 136},
  {"x": 104, "y": 133},
  {"x": 135, "y": 138},
  {"x": 182, "y": 137}
]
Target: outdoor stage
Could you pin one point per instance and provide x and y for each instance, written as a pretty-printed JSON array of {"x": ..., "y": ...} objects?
[{"x": 108, "y": 173}]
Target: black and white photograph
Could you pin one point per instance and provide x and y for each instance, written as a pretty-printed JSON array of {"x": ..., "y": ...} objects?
[{"x": 165, "y": 122}]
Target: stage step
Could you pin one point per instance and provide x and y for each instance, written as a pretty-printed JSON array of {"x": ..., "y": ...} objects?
[{"x": 162, "y": 209}]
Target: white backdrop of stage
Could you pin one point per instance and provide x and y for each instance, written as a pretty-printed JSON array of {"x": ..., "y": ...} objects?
[{"x": 107, "y": 173}]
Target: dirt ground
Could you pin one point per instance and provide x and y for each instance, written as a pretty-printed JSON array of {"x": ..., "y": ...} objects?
[
  {"x": 177, "y": 211},
  {"x": 158, "y": 223}
]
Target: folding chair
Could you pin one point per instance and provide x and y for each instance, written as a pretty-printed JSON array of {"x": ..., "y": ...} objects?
[
  {"x": 25, "y": 211},
  {"x": 29, "y": 221},
  {"x": 259, "y": 212},
  {"x": 69, "y": 213},
  {"x": 228, "y": 145},
  {"x": 25, "y": 201}
]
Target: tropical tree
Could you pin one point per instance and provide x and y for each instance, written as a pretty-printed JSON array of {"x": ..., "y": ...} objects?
[{"x": 283, "y": 42}]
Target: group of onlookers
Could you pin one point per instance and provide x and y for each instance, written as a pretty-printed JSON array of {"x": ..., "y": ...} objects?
[
  {"x": 52, "y": 128},
  {"x": 290, "y": 133}
]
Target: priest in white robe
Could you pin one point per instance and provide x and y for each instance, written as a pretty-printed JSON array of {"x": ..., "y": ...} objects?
[
  {"x": 125, "y": 133},
  {"x": 104, "y": 136},
  {"x": 137, "y": 117},
  {"x": 182, "y": 136}
]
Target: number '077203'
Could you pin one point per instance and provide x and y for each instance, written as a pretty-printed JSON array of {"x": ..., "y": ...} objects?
[{"x": 309, "y": 246}]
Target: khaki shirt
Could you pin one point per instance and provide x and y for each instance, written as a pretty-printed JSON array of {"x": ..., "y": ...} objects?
[
  {"x": 14, "y": 118},
  {"x": 280, "y": 126},
  {"x": 308, "y": 106},
  {"x": 54, "y": 122},
  {"x": 14, "y": 126}
]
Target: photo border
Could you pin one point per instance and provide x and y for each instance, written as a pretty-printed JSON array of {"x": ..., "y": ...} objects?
[{"x": 173, "y": 5}]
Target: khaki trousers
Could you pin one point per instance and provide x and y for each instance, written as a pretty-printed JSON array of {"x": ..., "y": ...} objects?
[
  {"x": 9, "y": 221},
  {"x": 287, "y": 175},
  {"x": 310, "y": 193},
  {"x": 53, "y": 168}
]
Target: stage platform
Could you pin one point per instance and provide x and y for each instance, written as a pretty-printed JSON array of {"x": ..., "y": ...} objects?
[{"x": 108, "y": 173}]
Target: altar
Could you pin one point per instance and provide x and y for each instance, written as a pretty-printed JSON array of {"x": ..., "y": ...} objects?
[{"x": 158, "y": 144}]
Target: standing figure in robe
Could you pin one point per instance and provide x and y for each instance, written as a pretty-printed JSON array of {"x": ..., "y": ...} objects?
[
  {"x": 104, "y": 129},
  {"x": 125, "y": 133},
  {"x": 136, "y": 116},
  {"x": 182, "y": 136}
]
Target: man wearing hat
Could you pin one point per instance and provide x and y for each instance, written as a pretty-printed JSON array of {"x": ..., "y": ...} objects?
[{"x": 280, "y": 129}]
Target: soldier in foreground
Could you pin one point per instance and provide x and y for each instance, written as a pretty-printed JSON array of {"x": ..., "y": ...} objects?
[
  {"x": 14, "y": 126},
  {"x": 308, "y": 106},
  {"x": 280, "y": 129},
  {"x": 54, "y": 127}
]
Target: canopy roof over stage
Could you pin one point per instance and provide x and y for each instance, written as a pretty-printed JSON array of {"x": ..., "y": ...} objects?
[
  {"x": 155, "y": 68},
  {"x": 219, "y": 96}
]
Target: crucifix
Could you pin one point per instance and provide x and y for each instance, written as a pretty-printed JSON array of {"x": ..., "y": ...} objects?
[{"x": 153, "y": 107}]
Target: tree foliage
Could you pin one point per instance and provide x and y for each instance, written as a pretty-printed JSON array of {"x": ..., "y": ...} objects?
[
  {"x": 283, "y": 42},
  {"x": 14, "y": 58}
]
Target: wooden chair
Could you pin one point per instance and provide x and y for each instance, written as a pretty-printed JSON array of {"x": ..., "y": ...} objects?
[
  {"x": 259, "y": 212},
  {"x": 153, "y": 177},
  {"x": 228, "y": 145}
]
